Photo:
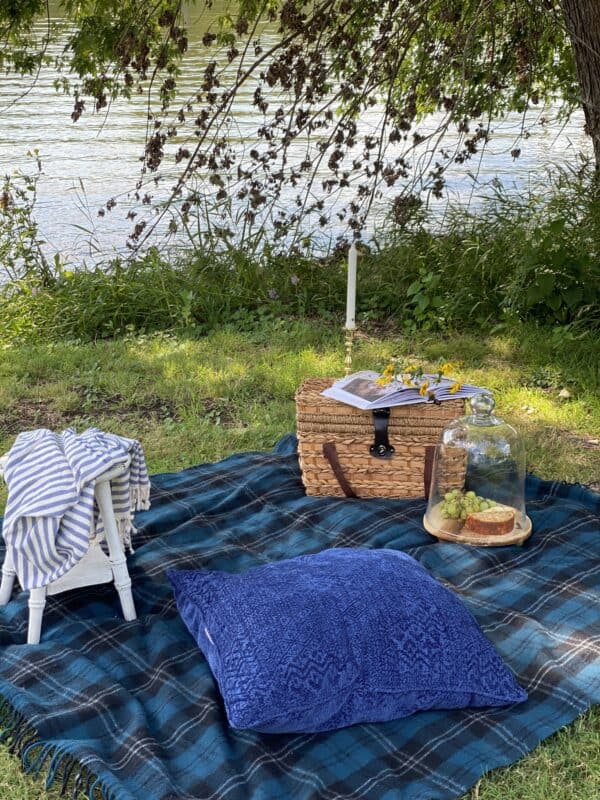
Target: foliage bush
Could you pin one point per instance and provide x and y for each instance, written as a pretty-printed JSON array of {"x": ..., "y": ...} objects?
[{"x": 535, "y": 259}]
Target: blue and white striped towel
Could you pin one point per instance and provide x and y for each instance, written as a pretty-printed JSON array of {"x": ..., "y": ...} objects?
[{"x": 50, "y": 513}]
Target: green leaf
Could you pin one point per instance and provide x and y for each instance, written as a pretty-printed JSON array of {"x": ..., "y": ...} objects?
[
  {"x": 415, "y": 287},
  {"x": 554, "y": 301},
  {"x": 573, "y": 296},
  {"x": 557, "y": 226},
  {"x": 541, "y": 288}
]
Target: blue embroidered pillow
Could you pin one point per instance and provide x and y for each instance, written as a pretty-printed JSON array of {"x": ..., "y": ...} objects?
[{"x": 323, "y": 641}]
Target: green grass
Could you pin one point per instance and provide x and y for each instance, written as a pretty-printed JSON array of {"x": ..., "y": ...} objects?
[{"x": 192, "y": 400}]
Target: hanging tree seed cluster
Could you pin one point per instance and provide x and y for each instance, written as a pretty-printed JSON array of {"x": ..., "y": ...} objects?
[{"x": 312, "y": 162}]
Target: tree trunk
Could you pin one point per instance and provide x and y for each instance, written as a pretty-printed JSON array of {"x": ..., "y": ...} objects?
[{"x": 583, "y": 24}]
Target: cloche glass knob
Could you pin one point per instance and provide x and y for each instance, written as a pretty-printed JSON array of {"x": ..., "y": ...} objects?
[{"x": 483, "y": 404}]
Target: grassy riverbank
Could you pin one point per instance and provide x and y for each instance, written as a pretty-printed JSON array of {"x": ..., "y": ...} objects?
[
  {"x": 535, "y": 258},
  {"x": 198, "y": 399}
]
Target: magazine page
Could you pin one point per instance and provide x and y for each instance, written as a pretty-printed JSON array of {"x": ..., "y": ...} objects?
[
  {"x": 361, "y": 391},
  {"x": 442, "y": 390}
]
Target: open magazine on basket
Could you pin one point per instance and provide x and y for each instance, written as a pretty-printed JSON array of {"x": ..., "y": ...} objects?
[{"x": 361, "y": 391}]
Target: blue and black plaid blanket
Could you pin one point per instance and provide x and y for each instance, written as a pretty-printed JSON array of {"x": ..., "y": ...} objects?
[{"x": 131, "y": 710}]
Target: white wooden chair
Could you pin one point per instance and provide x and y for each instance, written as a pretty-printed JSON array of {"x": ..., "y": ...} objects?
[{"x": 95, "y": 567}]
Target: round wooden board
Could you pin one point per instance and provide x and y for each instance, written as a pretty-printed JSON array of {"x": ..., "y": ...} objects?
[{"x": 480, "y": 540}]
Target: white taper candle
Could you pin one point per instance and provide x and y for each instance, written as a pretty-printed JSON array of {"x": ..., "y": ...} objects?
[{"x": 351, "y": 289}]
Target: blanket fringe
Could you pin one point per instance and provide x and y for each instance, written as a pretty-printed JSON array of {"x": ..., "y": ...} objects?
[
  {"x": 38, "y": 757},
  {"x": 68, "y": 766}
]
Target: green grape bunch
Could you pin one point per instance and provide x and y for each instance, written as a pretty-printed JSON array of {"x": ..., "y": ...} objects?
[{"x": 457, "y": 504}]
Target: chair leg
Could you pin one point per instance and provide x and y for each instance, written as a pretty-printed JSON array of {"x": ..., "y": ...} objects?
[
  {"x": 118, "y": 560},
  {"x": 8, "y": 579},
  {"x": 37, "y": 601}
]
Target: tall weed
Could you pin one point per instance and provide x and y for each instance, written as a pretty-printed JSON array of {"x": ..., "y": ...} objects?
[{"x": 21, "y": 249}]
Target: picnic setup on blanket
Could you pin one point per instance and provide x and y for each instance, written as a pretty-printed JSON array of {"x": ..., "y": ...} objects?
[{"x": 384, "y": 606}]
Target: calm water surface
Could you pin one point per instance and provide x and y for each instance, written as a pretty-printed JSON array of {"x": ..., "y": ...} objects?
[{"x": 86, "y": 163}]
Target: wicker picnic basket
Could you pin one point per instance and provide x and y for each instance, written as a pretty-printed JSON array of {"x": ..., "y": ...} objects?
[{"x": 335, "y": 441}]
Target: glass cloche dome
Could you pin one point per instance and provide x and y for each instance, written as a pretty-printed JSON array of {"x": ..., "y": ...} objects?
[{"x": 477, "y": 490}]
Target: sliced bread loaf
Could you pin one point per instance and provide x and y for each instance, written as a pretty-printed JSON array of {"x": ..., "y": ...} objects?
[{"x": 493, "y": 521}]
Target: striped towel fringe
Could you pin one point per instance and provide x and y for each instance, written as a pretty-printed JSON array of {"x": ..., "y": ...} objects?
[{"x": 51, "y": 513}]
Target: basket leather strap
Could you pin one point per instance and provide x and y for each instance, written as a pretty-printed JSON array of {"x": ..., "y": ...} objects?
[
  {"x": 331, "y": 455},
  {"x": 427, "y": 471}
]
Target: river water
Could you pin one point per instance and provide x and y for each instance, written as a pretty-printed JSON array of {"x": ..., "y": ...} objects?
[{"x": 86, "y": 163}]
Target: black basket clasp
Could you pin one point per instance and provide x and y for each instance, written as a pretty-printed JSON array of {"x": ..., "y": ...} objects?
[{"x": 381, "y": 447}]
